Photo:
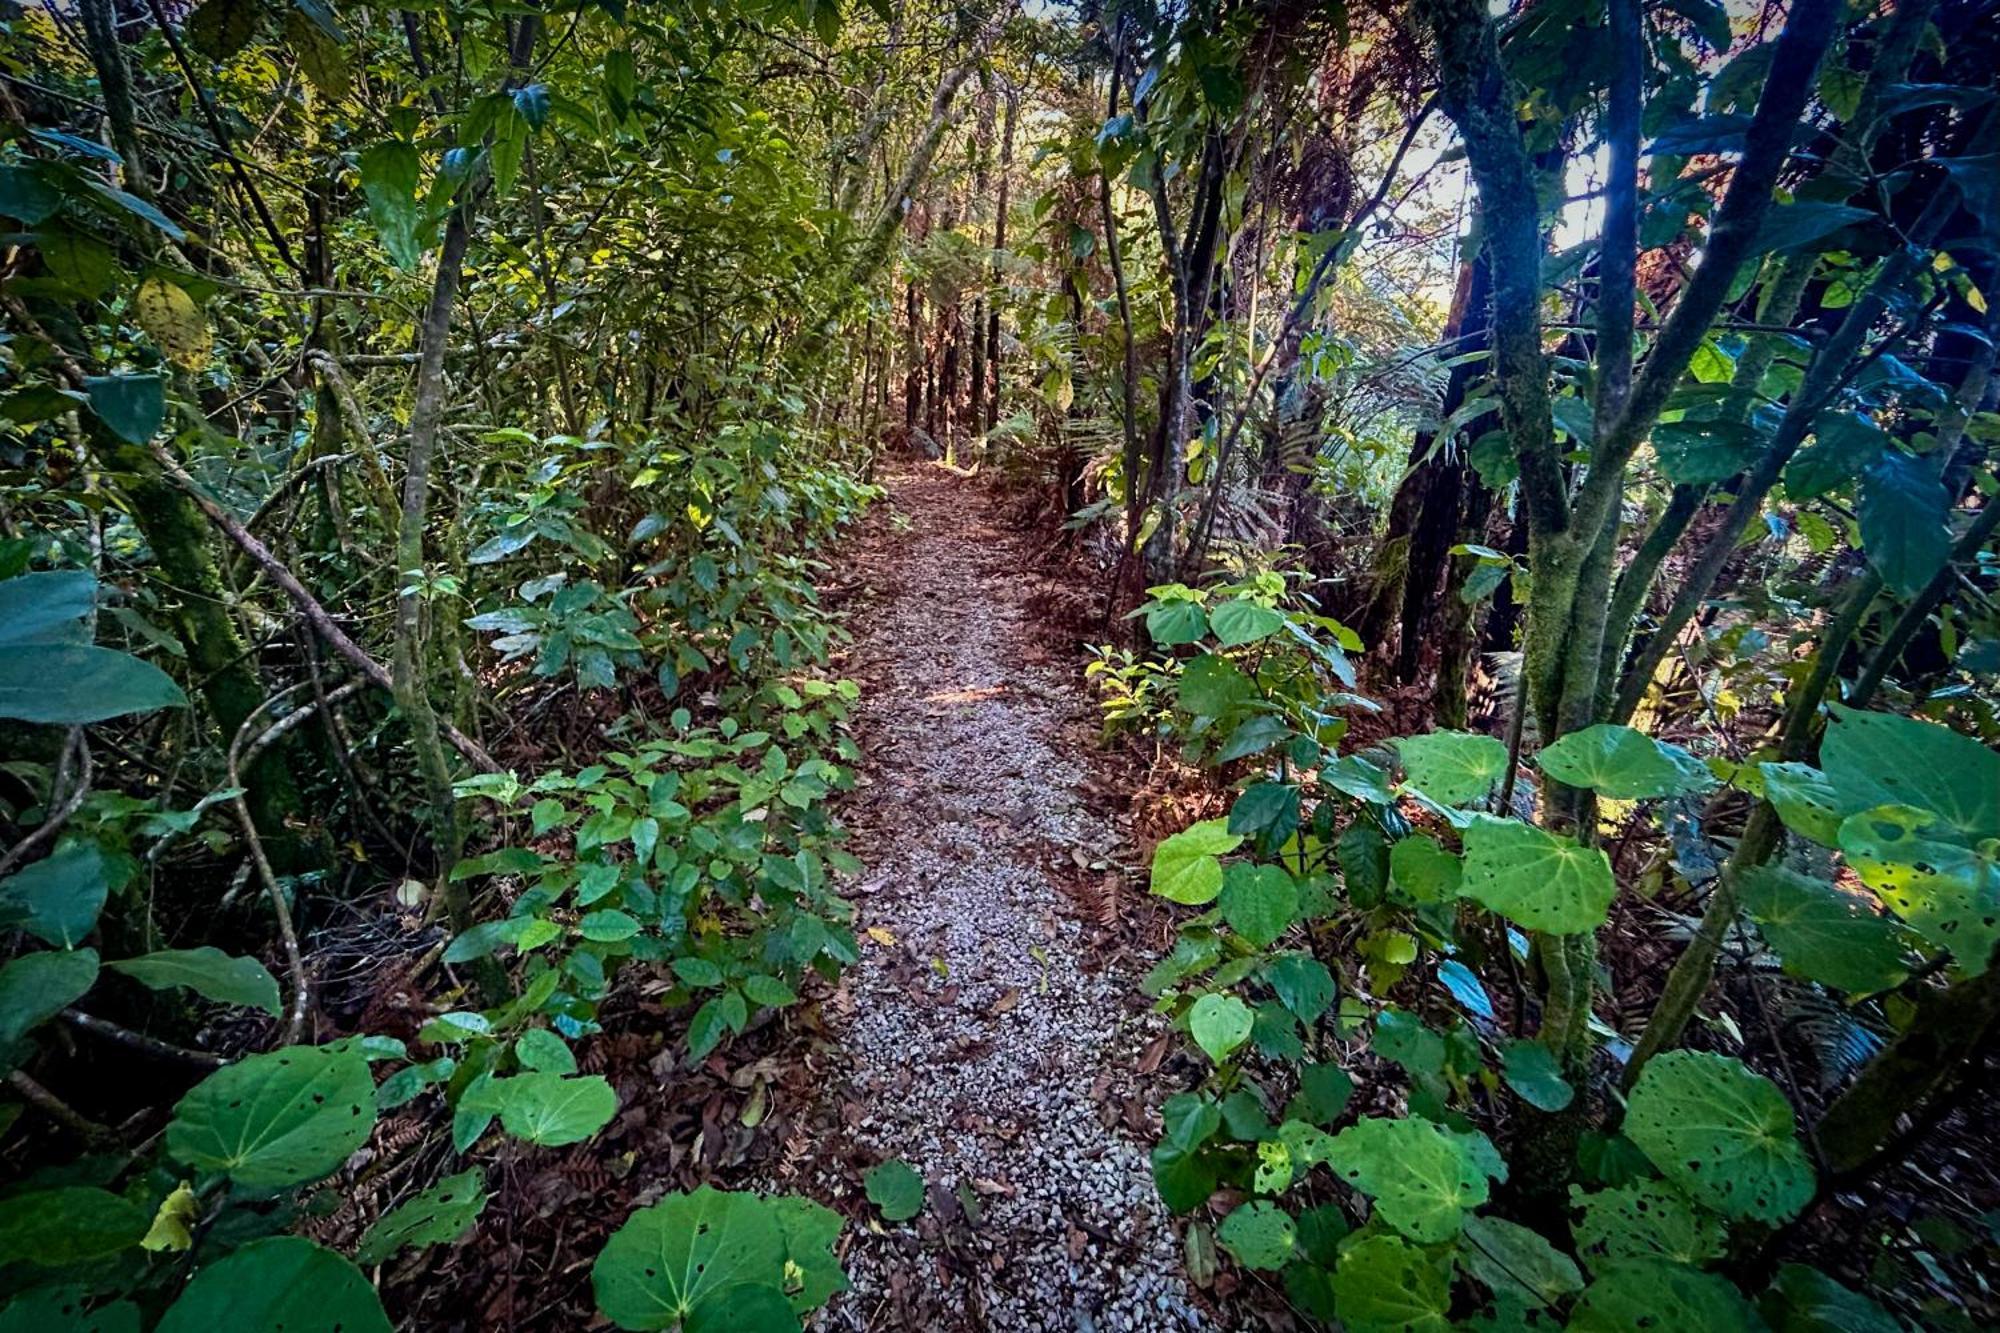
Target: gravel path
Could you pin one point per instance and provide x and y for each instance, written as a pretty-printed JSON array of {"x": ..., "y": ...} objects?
[{"x": 984, "y": 1040}]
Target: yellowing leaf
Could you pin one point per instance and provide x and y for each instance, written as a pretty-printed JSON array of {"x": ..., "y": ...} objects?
[
  {"x": 170, "y": 1229},
  {"x": 881, "y": 936},
  {"x": 173, "y": 321}
]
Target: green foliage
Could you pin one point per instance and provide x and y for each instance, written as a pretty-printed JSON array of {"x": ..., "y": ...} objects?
[
  {"x": 1722, "y": 1133},
  {"x": 712, "y": 1260},
  {"x": 895, "y": 1187},
  {"x": 1539, "y": 880},
  {"x": 49, "y": 670},
  {"x": 440, "y": 1215},
  {"x": 280, "y": 1282},
  {"x": 208, "y": 972},
  {"x": 1422, "y": 1177},
  {"x": 1623, "y": 764},
  {"x": 278, "y": 1119},
  {"x": 1452, "y": 767}
]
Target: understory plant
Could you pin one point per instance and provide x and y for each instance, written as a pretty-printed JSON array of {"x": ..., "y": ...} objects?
[{"x": 1391, "y": 902}]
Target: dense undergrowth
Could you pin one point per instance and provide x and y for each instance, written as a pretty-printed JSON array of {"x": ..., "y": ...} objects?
[{"x": 427, "y": 437}]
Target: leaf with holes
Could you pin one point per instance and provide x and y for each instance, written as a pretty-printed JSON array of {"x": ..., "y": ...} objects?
[
  {"x": 1648, "y": 1219},
  {"x": 1538, "y": 880},
  {"x": 1823, "y": 934},
  {"x": 282, "y": 1118},
  {"x": 1722, "y": 1133},
  {"x": 1452, "y": 767},
  {"x": 1422, "y": 1177},
  {"x": 1805, "y": 1300},
  {"x": 61, "y": 1310},
  {"x": 1948, "y": 894},
  {"x": 1259, "y": 1234},
  {"x": 283, "y": 1282},
  {"x": 442, "y": 1213},
  {"x": 711, "y": 1260},
  {"x": 1623, "y": 764}
]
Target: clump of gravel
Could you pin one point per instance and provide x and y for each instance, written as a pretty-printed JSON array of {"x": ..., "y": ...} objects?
[{"x": 986, "y": 1045}]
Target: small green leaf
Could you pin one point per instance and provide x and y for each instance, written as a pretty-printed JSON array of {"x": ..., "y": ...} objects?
[
  {"x": 1532, "y": 1071},
  {"x": 1424, "y": 870},
  {"x": 74, "y": 1224},
  {"x": 896, "y": 1189},
  {"x": 1511, "y": 1260},
  {"x": 551, "y": 1110},
  {"x": 1259, "y": 902},
  {"x": 1219, "y": 1024},
  {"x": 1238, "y": 622},
  {"x": 57, "y": 898},
  {"x": 1185, "y": 868},
  {"x": 1302, "y": 983},
  {"x": 1646, "y": 1219},
  {"x": 544, "y": 1052},
  {"x": 1452, "y": 767},
  {"x": 442, "y": 1213}
]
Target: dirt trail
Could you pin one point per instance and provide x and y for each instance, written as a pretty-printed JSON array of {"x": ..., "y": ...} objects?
[{"x": 988, "y": 1044}]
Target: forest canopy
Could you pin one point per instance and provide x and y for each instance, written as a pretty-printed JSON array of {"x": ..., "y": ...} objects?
[{"x": 1520, "y": 482}]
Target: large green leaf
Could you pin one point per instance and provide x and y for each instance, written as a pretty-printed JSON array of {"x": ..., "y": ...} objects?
[
  {"x": 704, "y": 1258},
  {"x": 553, "y": 1109},
  {"x": 1903, "y": 508},
  {"x": 46, "y": 607},
  {"x": 62, "y": 1310},
  {"x": 1423, "y": 1177},
  {"x": 1722, "y": 1133},
  {"x": 1170, "y": 624},
  {"x": 1648, "y": 1219},
  {"x": 209, "y": 973},
  {"x": 1210, "y": 686},
  {"x": 72, "y": 684},
  {"x": 282, "y": 1283},
  {"x": 1452, "y": 767},
  {"x": 1384, "y": 1284},
  {"x": 811, "y": 1231},
  {"x": 1538, "y": 880},
  {"x": 1883, "y": 759},
  {"x": 442, "y": 1213},
  {"x": 1533, "y": 1072},
  {"x": 1823, "y": 934},
  {"x": 1302, "y": 983},
  {"x": 1653, "y": 1293},
  {"x": 38, "y": 986},
  {"x": 1797, "y": 225},
  {"x": 282, "y": 1118},
  {"x": 1185, "y": 868},
  {"x": 57, "y": 899},
  {"x": 1807, "y": 801},
  {"x": 1238, "y": 622},
  {"x": 1259, "y": 902},
  {"x": 70, "y": 1225},
  {"x": 1623, "y": 764},
  {"x": 1699, "y": 452},
  {"x": 1948, "y": 893}
]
